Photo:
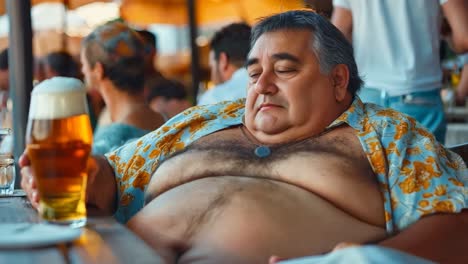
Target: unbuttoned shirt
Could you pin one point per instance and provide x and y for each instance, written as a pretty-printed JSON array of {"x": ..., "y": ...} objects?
[{"x": 417, "y": 176}]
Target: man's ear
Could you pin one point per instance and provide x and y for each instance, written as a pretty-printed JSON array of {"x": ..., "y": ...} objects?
[
  {"x": 340, "y": 80},
  {"x": 98, "y": 70},
  {"x": 223, "y": 61}
]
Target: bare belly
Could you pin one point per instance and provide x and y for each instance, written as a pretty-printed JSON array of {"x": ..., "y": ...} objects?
[{"x": 233, "y": 219}]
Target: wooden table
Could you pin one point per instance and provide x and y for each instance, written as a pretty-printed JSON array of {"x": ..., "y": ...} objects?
[{"x": 103, "y": 241}]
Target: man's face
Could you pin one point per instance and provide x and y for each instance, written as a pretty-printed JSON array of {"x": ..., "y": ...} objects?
[
  {"x": 287, "y": 98},
  {"x": 215, "y": 71},
  {"x": 87, "y": 71}
]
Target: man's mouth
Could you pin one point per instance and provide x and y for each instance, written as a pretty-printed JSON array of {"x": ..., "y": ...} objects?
[{"x": 267, "y": 106}]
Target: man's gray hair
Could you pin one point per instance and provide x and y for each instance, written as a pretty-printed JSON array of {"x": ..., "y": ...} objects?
[{"x": 328, "y": 43}]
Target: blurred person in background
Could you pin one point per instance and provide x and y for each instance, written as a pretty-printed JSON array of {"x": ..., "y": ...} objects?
[
  {"x": 5, "y": 107},
  {"x": 168, "y": 97},
  {"x": 4, "y": 73},
  {"x": 152, "y": 74},
  {"x": 60, "y": 63},
  {"x": 396, "y": 45},
  {"x": 229, "y": 49},
  {"x": 461, "y": 93},
  {"x": 150, "y": 71},
  {"x": 112, "y": 59},
  {"x": 39, "y": 72},
  {"x": 150, "y": 50}
]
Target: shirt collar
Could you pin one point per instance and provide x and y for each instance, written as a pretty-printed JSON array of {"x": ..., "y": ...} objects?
[{"x": 352, "y": 116}]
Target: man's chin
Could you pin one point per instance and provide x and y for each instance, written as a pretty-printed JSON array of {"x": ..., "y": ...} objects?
[{"x": 269, "y": 128}]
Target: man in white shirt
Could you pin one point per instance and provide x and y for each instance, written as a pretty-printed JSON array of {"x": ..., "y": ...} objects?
[
  {"x": 396, "y": 45},
  {"x": 229, "y": 49}
]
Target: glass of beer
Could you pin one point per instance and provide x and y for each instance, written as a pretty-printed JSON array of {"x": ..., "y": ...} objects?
[{"x": 59, "y": 139}]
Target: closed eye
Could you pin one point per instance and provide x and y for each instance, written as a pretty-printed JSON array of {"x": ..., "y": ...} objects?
[
  {"x": 253, "y": 76},
  {"x": 286, "y": 72}
]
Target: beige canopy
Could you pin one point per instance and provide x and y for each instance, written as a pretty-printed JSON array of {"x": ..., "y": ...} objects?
[
  {"x": 71, "y": 3},
  {"x": 143, "y": 12},
  {"x": 207, "y": 11}
]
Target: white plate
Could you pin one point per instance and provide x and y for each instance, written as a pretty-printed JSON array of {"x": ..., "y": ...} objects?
[{"x": 14, "y": 235}]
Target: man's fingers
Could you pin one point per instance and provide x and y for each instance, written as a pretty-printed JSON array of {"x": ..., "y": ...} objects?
[
  {"x": 35, "y": 199},
  {"x": 29, "y": 185},
  {"x": 342, "y": 245},
  {"x": 32, "y": 182},
  {"x": 25, "y": 179},
  {"x": 23, "y": 160}
]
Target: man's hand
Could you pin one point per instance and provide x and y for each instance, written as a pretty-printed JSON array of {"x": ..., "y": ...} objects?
[
  {"x": 343, "y": 245},
  {"x": 100, "y": 189},
  {"x": 28, "y": 182}
]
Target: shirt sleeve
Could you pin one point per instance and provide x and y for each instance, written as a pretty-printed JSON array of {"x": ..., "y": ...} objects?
[
  {"x": 342, "y": 3},
  {"x": 423, "y": 177}
]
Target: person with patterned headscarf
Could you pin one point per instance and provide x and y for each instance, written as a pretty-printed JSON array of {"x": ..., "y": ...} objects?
[{"x": 112, "y": 58}]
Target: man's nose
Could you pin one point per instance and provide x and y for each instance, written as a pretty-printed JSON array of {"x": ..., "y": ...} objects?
[{"x": 265, "y": 84}]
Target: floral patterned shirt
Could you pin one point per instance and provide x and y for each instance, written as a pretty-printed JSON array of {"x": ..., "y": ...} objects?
[{"x": 416, "y": 174}]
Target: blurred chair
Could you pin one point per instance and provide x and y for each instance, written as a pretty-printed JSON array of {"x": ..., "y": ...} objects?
[{"x": 461, "y": 150}]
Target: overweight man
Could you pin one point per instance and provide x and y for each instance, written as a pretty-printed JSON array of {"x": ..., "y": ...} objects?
[{"x": 299, "y": 167}]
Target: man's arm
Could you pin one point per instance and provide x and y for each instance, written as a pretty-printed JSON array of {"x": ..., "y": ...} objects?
[
  {"x": 441, "y": 238},
  {"x": 456, "y": 13},
  {"x": 462, "y": 89},
  {"x": 342, "y": 18}
]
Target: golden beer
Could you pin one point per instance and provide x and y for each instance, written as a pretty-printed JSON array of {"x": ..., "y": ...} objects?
[{"x": 59, "y": 139}]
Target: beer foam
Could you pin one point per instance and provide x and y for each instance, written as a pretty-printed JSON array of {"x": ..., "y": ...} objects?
[{"x": 58, "y": 97}]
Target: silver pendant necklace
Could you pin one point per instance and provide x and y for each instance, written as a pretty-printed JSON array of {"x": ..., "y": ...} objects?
[{"x": 261, "y": 151}]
